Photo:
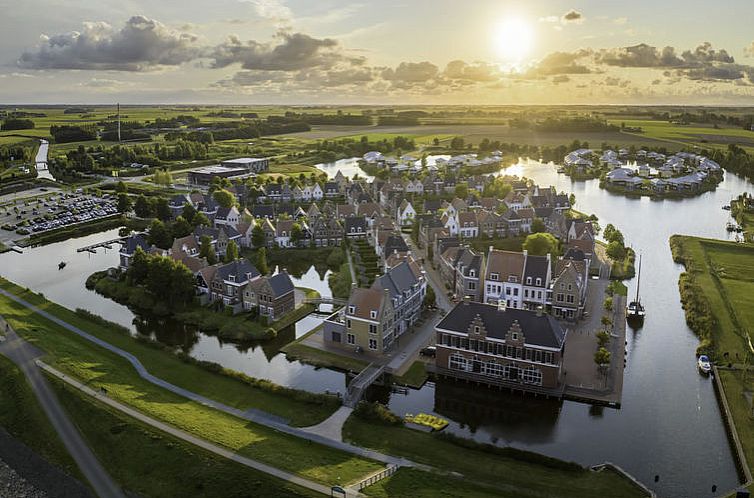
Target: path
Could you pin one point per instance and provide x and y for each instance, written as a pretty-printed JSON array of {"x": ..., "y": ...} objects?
[
  {"x": 252, "y": 415},
  {"x": 332, "y": 428},
  {"x": 23, "y": 354},
  {"x": 433, "y": 278},
  {"x": 202, "y": 443},
  {"x": 350, "y": 265}
]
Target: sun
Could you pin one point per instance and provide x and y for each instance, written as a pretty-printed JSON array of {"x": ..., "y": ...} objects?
[{"x": 513, "y": 39}]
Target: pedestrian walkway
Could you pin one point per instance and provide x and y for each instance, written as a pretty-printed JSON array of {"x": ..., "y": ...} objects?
[
  {"x": 332, "y": 428},
  {"x": 23, "y": 354}
]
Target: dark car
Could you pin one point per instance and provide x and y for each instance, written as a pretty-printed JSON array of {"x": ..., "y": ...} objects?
[{"x": 430, "y": 351}]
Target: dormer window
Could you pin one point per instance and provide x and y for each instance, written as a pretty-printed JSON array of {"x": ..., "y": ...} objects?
[
  {"x": 528, "y": 280},
  {"x": 539, "y": 281},
  {"x": 494, "y": 276},
  {"x": 472, "y": 273},
  {"x": 476, "y": 329},
  {"x": 514, "y": 336},
  {"x": 351, "y": 310},
  {"x": 231, "y": 278},
  {"x": 512, "y": 279},
  {"x": 373, "y": 314}
]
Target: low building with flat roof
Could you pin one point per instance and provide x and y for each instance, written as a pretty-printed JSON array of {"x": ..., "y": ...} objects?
[
  {"x": 204, "y": 176},
  {"x": 253, "y": 164}
]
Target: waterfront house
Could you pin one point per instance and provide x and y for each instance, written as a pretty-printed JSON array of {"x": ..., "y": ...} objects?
[
  {"x": 364, "y": 324},
  {"x": 326, "y": 232},
  {"x": 536, "y": 281},
  {"x": 128, "y": 249},
  {"x": 229, "y": 280},
  {"x": 272, "y": 296},
  {"x": 501, "y": 347},
  {"x": 407, "y": 287},
  {"x": 462, "y": 272},
  {"x": 569, "y": 287}
]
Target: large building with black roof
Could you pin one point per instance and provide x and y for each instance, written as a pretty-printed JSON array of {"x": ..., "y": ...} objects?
[{"x": 499, "y": 346}]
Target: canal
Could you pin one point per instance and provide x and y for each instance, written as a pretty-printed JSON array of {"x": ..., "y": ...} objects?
[{"x": 668, "y": 426}]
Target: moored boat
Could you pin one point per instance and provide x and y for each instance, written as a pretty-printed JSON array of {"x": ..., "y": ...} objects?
[
  {"x": 704, "y": 364},
  {"x": 635, "y": 310}
]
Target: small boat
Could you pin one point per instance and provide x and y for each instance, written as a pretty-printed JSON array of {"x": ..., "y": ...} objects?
[
  {"x": 635, "y": 310},
  {"x": 61, "y": 265},
  {"x": 731, "y": 227},
  {"x": 726, "y": 207},
  {"x": 561, "y": 170},
  {"x": 431, "y": 421},
  {"x": 704, "y": 364}
]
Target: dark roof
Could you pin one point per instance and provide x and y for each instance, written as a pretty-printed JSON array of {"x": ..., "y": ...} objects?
[
  {"x": 398, "y": 279},
  {"x": 431, "y": 206},
  {"x": 281, "y": 284},
  {"x": 273, "y": 188},
  {"x": 238, "y": 269},
  {"x": 288, "y": 209},
  {"x": 536, "y": 267},
  {"x": 469, "y": 260},
  {"x": 394, "y": 243},
  {"x": 178, "y": 200},
  {"x": 135, "y": 241},
  {"x": 575, "y": 254},
  {"x": 230, "y": 231},
  {"x": 222, "y": 213},
  {"x": 212, "y": 233},
  {"x": 543, "y": 212},
  {"x": 355, "y": 224},
  {"x": 332, "y": 186},
  {"x": 541, "y": 330},
  {"x": 261, "y": 211}
]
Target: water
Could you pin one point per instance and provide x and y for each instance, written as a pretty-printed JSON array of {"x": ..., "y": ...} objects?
[
  {"x": 669, "y": 423},
  {"x": 349, "y": 167},
  {"x": 41, "y": 160},
  {"x": 37, "y": 270}
]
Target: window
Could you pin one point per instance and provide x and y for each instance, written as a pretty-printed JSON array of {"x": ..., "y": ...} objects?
[
  {"x": 515, "y": 291},
  {"x": 493, "y": 369},
  {"x": 539, "y": 294},
  {"x": 539, "y": 281},
  {"x": 351, "y": 310},
  {"x": 373, "y": 344},
  {"x": 559, "y": 298},
  {"x": 351, "y": 339},
  {"x": 372, "y": 328},
  {"x": 514, "y": 336},
  {"x": 526, "y": 293},
  {"x": 476, "y": 329},
  {"x": 532, "y": 376},
  {"x": 507, "y": 291},
  {"x": 348, "y": 323},
  {"x": 562, "y": 285},
  {"x": 512, "y": 279},
  {"x": 569, "y": 298},
  {"x": 373, "y": 314},
  {"x": 570, "y": 287},
  {"x": 472, "y": 273},
  {"x": 494, "y": 276},
  {"x": 528, "y": 280},
  {"x": 472, "y": 285},
  {"x": 458, "y": 362}
]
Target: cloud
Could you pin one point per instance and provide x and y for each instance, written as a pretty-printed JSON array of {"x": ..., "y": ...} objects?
[
  {"x": 476, "y": 72},
  {"x": 560, "y": 78},
  {"x": 749, "y": 51},
  {"x": 620, "y": 21},
  {"x": 141, "y": 44},
  {"x": 295, "y": 51},
  {"x": 572, "y": 16},
  {"x": 272, "y": 10},
  {"x": 410, "y": 74},
  {"x": 561, "y": 63}
]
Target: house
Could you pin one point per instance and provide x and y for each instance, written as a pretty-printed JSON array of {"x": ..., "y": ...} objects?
[
  {"x": 229, "y": 280},
  {"x": 263, "y": 211},
  {"x": 128, "y": 249},
  {"x": 569, "y": 288},
  {"x": 405, "y": 214},
  {"x": 273, "y": 192},
  {"x": 407, "y": 291},
  {"x": 394, "y": 243},
  {"x": 432, "y": 206},
  {"x": 450, "y": 223},
  {"x": 177, "y": 203},
  {"x": 461, "y": 270},
  {"x": 187, "y": 245},
  {"x": 269, "y": 232},
  {"x": 332, "y": 189},
  {"x": 272, "y": 296},
  {"x": 414, "y": 187},
  {"x": 468, "y": 227},
  {"x": 364, "y": 325},
  {"x": 325, "y": 232},
  {"x": 501, "y": 347},
  {"x": 536, "y": 281},
  {"x": 580, "y": 230},
  {"x": 355, "y": 227},
  {"x": 503, "y": 278},
  {"x": 283, "y": 231},
  {"x": 227, "y": 216},
  {"x": 343, "y": 211},
  {"x": 317, "y": 192}
]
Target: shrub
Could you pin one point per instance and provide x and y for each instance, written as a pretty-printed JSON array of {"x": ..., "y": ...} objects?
[{"x": 376, "y": 412}]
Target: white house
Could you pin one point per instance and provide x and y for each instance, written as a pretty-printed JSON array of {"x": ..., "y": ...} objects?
[
  {"x": 406, "y": 213},
  {"x": 317, "y": 192},
  {"x": 451, "y": 223},
  {"x": 503, "y": 278}
]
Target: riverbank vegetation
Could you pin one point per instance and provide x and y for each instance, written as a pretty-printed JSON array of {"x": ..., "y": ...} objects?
[
  {"x": 717, "y": 292},
  {"x": 506, "y": 471}
]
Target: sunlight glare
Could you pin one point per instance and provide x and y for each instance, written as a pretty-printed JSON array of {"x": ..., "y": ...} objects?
[{"x": 513, "y": 39}]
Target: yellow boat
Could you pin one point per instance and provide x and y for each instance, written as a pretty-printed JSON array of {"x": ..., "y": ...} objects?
[{"x": 431, "y": 421}]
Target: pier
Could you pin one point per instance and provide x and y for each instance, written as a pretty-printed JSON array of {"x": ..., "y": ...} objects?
[{"x": 108, "y": 244}]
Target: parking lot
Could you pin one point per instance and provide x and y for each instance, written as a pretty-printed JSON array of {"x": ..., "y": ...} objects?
[{"x": 47, "y": 211}]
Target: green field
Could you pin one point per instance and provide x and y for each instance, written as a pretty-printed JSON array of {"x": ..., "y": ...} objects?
[
  {"x": 700, "y": 135},
  {"x": 717, "y": 291}
]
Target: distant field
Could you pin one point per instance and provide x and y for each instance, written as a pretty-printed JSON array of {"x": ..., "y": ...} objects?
[{"x": 704, "y": 136}]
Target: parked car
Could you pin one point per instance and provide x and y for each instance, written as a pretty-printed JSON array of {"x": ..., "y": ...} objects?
[{"x": 430, "y": 351}]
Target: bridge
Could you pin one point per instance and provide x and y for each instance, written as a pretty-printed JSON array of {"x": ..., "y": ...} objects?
[
  {"x": 335, "y": 301},
  {"x": 361, "y": 383}
]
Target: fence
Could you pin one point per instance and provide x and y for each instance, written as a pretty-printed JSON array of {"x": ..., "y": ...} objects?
[{"x": 377, "y": 477}]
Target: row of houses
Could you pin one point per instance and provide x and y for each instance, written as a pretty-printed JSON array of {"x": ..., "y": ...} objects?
[{"x": 237, "y": 284}]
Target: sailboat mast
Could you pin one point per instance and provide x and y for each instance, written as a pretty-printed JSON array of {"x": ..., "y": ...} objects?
[{"x": 638, "y": 280}]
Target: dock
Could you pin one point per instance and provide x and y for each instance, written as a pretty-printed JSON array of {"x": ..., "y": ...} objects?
[{"x": 108, "y": 244}]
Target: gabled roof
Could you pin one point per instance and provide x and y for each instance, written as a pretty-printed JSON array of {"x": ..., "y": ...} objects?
[
  {"x": 505, "y": 264},
  {"x": 262, "y": 211},
  {"x": 364, "y": 301},
  {"x": 394, "y": 243},
  {"x": 536, "y": 267},
  {"x": 397, "y": 280},
  {"x": 240, "y": 269},
  {"x": 343, "y": 210},
  {"x": 281, "y": 284},
  {"x": 134, "y": 241},
  {"x": 538, "y": 330},
  {"x": 467, "y": 219},
  {"x": 356, "y": 224},
  {"x": 283, "y": 226}
]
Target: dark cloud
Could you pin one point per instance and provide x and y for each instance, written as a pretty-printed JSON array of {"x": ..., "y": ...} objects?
[
  {"x": 720, "y": 72},
  {"x": 411, "y": 74},
  {"x": 641, "y": 55},
  {"x": 476, "y": 72},
  {"x": 295, "y": 51},
  {"x": 704, "y": 53},
  {"x": 561, "y": 63},
  {"x": 572, "y": 16},
  {"x": 142, "y": 44}
]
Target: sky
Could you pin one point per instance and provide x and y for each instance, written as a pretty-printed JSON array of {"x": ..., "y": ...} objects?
[{"x": 386, "y": 52}]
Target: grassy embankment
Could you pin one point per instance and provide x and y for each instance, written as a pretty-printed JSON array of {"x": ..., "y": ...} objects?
[
  {"x": 24, "y": 419},
  {"x": 297, "y": 350},
  {"x": 415, "y": 376},
  {"x": 218, "y": 386},
  {"x": 485, "y": 471},
  {"x": 101, "y": 369},
  {"x": 717, "y": 292}
]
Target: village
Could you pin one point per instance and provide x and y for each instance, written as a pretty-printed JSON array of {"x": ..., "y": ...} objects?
[{"x": 489, "y": 288}]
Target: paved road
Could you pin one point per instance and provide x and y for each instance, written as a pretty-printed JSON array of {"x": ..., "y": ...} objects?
[
  {"x": 251, "y": 415},
  {"x": 23, "y": 355},
  {"x": 433, "y": 278},
  {"x": 202, "y": 443}
]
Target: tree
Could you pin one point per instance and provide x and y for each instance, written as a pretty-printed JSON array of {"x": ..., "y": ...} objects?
[
  {"x": 430, "y": 299},
  {"x": 608, "y": 304},
  {"x": 142, "y": 208},
  {"x": 457, "y": 143},
  {"x": 200, "y": 220},
  {"x": 182, "y": 284},
  {"x": 224, "y": 198},
  {"x": 231, "y": 252},
  {"x": 616, "y": 251},
  {"x": 159, "y": 235},
  {"x": 262, "y": 261},
  {"x": 540, "y": 244},
  {"x": 121, "y": 187},
  {"x": 602, "y": 357},
  {"x": 462, "y": 190},
  {"x": 257, "y": 236},
  {"x": 297, "y": 233},
  {"x": 603, "y": 337},
  {"x": 138, "y": 269},
  {"x": 538, "y": 226},
  {"x": 124, "y": 203},
  {"x": 181, "y": 227},
  {"x": 163, "y": 177},
  {"x": 188, "y": 213},
  {"x": 159, "y": 277},
  {"x": 206, "y": 250},
  {"x": 572, "y": 199},
  {"x": 606, "y": 321},
  {"x": 162, "y": 208}
]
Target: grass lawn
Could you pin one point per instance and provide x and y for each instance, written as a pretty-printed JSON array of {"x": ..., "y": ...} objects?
[
  {"x": 147, "y": 462},
  {"x": 415, "y": 376},
  {"x": 507, "y": 475},
  {"x": 100, "y": 368},
  {"x": 61, "y": 343},
  {"x": 23, "y": 418},
  {"x": 702, "y": 135},
  {"x": 418, "y": 484},
  {"x": 717, "y": 291},
  {"x": 298, "y": 351}
]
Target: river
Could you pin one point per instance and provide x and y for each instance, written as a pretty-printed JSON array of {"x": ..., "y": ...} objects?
[{"x": 668, "y": 426}]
